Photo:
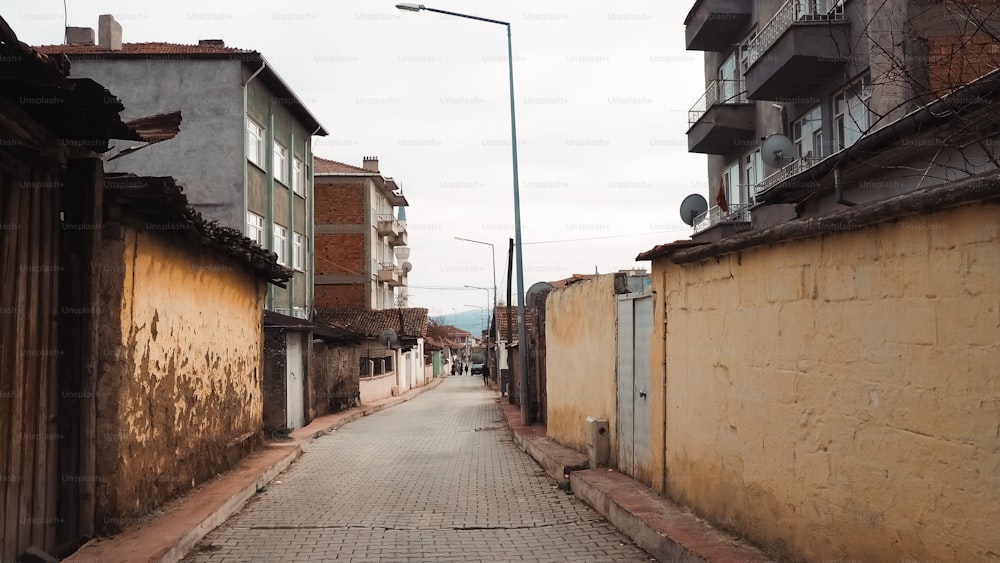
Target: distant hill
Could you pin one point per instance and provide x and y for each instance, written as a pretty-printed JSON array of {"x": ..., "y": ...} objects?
[{"x": 472, "y": 321}]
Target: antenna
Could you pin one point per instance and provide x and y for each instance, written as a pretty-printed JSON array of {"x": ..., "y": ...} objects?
[
  {"x": 388, "y": 338},
  {"x": 777, "y": 151},
  {"x": 693, "y": 206},
  {"x": 406, "y": 266}
]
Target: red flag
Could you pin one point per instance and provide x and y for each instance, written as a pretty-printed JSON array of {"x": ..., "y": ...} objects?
[{"x": 720, "y": 198}]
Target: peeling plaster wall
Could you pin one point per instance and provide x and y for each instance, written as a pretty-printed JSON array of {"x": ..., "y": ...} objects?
[
  {"x": 179, "y": 384},
  {"x": 581, "y": 360},
  {"x": 334, "y": 378},
  {"x": 841, "y": 387}
]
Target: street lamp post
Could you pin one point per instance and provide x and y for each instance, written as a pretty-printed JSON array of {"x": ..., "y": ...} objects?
[
  {"x": 494, "y": 264},
  {"x": 522, "y": 339},
  {"x": 487, "y": 308},
  {"x": 482, "y": 310}
]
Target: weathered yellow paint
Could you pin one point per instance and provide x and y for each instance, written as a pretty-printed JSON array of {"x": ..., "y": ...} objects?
[
  {"x": 838, "y": 398},
  {"x": 179, "y": 389},
  {"x": 581, "y": 359}
]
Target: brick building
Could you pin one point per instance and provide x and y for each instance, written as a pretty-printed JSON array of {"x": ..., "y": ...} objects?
[{"x": 361, "y": 237}]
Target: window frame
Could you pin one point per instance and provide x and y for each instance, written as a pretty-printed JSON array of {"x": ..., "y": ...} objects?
[
  {"x": 802, "y": 133},
  {"x": 858, "y": 90},
  {"x": 255, "y": 226},
  {"x": 280, "y": 163},
  {"x": 280, "y": 240},
  {"x": 298, "y": 169},
  {"x": 255, "y": 138},
  {"x": 298, "y": 251}
]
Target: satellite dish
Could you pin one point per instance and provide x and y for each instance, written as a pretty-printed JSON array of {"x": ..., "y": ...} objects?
[
  {"x": 693, "y": 206},
  {"x": 388, "y": 338},
  {"x": 406, "y": 266},
  {"x": 777, "y": 151}
]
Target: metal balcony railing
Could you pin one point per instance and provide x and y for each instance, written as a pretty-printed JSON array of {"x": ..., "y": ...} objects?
[
  {"x": 738, "y": 213},
  {"x": 792, "y": 11},
  {"x": 796, "y": 167},
  {"x": 718, "y": 92}
]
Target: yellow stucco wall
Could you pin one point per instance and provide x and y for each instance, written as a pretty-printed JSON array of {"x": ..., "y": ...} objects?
[
  {"x": 580, "y": 341},
  {"x": 839, "y": 397},
  {"x": 179, "y": 388}
]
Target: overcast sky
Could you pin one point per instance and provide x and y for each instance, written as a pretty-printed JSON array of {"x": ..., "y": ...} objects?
[{"x": 602, "y": 91}]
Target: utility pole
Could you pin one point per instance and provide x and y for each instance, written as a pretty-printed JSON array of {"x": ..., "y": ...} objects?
[{"x": 510, "y": 317}]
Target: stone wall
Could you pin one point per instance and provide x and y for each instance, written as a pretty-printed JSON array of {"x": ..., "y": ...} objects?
[{"x": 844, "y": 386}]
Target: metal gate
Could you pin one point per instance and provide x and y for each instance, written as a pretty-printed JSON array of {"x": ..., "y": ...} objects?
[
  {"x": 635, "y": 328},
  {"x": 295, "y": 384}
]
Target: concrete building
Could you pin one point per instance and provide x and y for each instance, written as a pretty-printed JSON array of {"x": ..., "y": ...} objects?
[
  {"x": 844, "y": 81},
  {"x": 361, "y": 237},
  {"x": 244, "y": 152}
]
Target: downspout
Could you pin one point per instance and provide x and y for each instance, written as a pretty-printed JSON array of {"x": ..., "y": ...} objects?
[
  {"x": 664, "y": 362},
  {"x": 245, "y": 148},
  {"x": 311, "y": 227}
]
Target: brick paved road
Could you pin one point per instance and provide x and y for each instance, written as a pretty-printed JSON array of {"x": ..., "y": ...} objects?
[{"x": 437, "y": 478}]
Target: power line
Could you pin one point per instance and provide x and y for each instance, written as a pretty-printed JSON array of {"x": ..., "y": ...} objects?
[{"x": 599, "y": 238}]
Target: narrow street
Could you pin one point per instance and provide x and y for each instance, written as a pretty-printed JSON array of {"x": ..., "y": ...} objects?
[{"x": 437, "y": 478}]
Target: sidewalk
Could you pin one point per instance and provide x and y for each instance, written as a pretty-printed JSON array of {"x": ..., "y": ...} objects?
[
  {"x": 662, "y": 528},
  {"x": 179, "y": 525}
]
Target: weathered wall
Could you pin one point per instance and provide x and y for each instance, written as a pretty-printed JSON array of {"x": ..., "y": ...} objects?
[
  {"x": 333, "y": 379},
  {"x": 274, "y": 383},
  {"x": 841, "y": 387},
  {"x": 580, "y": 361},
  {"x": 179, "y": 385},
  {"x": 376, "y": 388}
]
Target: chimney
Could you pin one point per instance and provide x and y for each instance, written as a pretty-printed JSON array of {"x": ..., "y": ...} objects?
[
  {"x": 109, "y": 33},
  {"x": 371, "y": 163},
  {"x": 211, "y": 43},
  {"x": 79, "y": 36}
]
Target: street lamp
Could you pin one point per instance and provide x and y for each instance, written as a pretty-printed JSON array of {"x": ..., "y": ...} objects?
[
  {"x": 494, "y": 263},
  {"x": 522, "y": 339},
  {"x": 487, "y": 290},
  {"x": 482, "y": 310}
]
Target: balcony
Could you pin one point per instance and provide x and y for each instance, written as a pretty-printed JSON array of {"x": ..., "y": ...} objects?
[
  {"x": 714, "y": 25},
  {"x": 804, "y": 44},
  {"x": 788, "y": 179},
  {"x": 388, "y": 226},
  {"x": 390, "y": 274},
  {"x": 721, "y": 223},
  {"x": 721, "y": 119},
  {"x": 400, "y": 238}
]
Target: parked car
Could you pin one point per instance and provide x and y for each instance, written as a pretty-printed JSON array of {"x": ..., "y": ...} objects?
[{"x": 477, "y": 369}]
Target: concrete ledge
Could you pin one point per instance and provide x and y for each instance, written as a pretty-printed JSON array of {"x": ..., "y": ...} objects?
[
  {"x": 664, "y": 529},
  {"x": 558, "y": 461},
  {"x": 183, "y": 522}
]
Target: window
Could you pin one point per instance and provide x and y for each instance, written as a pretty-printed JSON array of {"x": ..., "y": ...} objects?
[
  {"x": 851, "y": 117},
  {"x": 298, "y": 252},
  {"x": 731, "y": 176},
  {"x": 730, "y": 87},
  {"x": 753, "y": 166},
  {"x": 297, "y": 176},
  {"x": 280, "y": 163},
  {"x": 280, "y": 240},
  {"x": 255, "y": 143},
  {"x": 255, "y": 228},
  {"x": 807, "y": 134}
]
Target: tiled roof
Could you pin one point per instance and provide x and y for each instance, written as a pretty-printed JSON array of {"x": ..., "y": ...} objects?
[
  {"x": 558, "y": 284},
  {"x": 145, "y": 49},
  {"x": 500, "y": 319},
  {"x": 324, "y": 166},
  {"x": 409, "y": 322}
]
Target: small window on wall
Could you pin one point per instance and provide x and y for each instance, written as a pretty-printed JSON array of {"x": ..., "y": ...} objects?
[
  {"x": 255, "y": 143},
  {"x": 280, "y": 242},
  {"x": 297, "y": 171},
  {"x": 851, "y": 116},
  {"x": 255, "y": 228},
  {"x": 280, "y": 163},
  {"x": 298, "y": 251}
]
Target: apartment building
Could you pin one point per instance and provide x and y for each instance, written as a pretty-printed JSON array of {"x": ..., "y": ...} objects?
[
  {"x": 361, "y": 237},
  {"x": 878, "y": 98},
  {"x": 244, "y": 151}
]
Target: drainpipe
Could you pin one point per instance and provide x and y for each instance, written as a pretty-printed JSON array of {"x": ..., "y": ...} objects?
[
  {"x": 245, "y": 147},
  {"x": 665, "y": 409},
  {"x": 311, "y": 227}
]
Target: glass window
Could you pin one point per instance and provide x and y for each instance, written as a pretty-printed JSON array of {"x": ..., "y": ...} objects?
[
  {"x": 280, "y": 240},
  {"x": 807, "y": 135},
  {"x": 297, "y": 170},
  {"x": 255, "y": 143},
  {"x": 280, "y": 163},
  {"x": 255, "y": 228},
  {"x": 851, "y": 117},
  {"x": 754, "y": 169},
  {"x": 298, "y": 252}
]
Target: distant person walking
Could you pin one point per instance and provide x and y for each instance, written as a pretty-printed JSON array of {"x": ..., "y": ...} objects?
[{"x": 486, "y": 374}]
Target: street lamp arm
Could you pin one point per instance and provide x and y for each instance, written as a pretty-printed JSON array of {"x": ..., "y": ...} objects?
[{"x": 418, "y": 7}]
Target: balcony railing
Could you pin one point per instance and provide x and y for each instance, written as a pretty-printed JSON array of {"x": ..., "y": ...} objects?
[
  {"x": 390, "y": 273},
  {"x": 718, "y": 92},
  {"x": 738, "y": 213},
  {"x": 388, "y": 225},
  {"x": 796, "y": 167},
  {"x": 792, "y": 11}
]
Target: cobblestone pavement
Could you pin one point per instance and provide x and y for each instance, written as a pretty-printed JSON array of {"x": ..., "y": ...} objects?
[{"x": 437, "y": 478}]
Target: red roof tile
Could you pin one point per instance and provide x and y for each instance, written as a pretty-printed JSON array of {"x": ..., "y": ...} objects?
[
  {"x": 500, "y": 319},
  {"x": 143, "y": 49},
  {"x": 408, "y": 322},
  {"x": 324, "y": 166}
]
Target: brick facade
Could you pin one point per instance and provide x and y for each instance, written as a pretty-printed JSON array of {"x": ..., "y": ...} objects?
[
  {"x": 337, "y": 296},
  {"x": 342, "y": 203},
  {"x": 340, "y": 254}
]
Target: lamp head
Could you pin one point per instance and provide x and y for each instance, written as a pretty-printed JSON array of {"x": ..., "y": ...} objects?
[{"x": 410, "y": 7}]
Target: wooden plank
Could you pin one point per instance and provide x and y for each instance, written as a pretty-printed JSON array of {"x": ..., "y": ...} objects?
[
  {"x": 52, "y": 455},
  {"x": 8, "y": 269},
  {"x": 32, "y": 354},
  {"x": 43, "y": 449},
  {"x": 91, "y": 173}
]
